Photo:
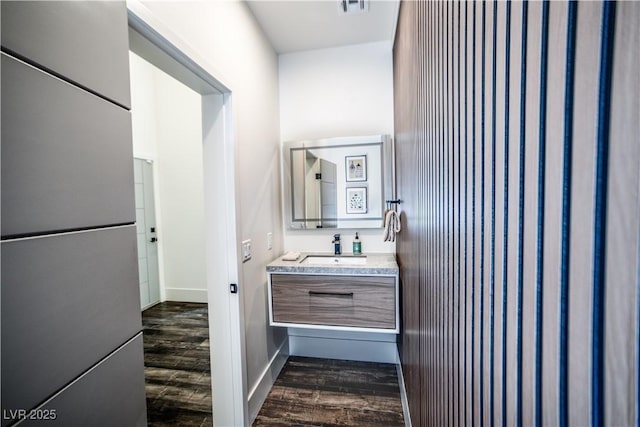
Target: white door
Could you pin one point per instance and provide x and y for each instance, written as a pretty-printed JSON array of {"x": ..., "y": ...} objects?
[
  {"x": 328, "y": 194},
  {"x": 147, "y": 233}
]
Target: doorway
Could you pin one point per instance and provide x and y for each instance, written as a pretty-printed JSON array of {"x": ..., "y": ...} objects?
[
  {"x": 167, "y": 126},
  {"x": 158, "y": 45}
]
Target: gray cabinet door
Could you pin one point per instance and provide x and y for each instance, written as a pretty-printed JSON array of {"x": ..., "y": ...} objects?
[
  {"x": 67, "y": 301},
  {"x": 66, "y": 155},
  {"x": 86, "y": 42},
  {"x": 110, "y": 394}
]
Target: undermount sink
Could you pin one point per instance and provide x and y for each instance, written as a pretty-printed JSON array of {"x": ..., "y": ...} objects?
[{"x": 334, "y": 260}]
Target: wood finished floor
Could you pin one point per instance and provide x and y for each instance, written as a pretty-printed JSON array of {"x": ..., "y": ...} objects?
[
  {"x": 328, "y": 392},
  {"x": 176, "y": 360},
  {"x": 308, "y": 391}
]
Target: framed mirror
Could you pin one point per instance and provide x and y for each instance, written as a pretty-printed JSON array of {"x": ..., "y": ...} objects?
[{"x": 337, "y": 182}]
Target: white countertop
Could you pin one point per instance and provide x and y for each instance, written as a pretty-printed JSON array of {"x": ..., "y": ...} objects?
[{"x": 377, "y": 263}]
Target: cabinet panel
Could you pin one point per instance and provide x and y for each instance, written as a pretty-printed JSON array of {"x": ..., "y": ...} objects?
[
  {"x": 110, "y": 394},
  {"x": 86, "y": 42},
  {"x": 354, "y": 301},
  {"x": 67, "y": 301},
  {"x": 66, "y": 155}
]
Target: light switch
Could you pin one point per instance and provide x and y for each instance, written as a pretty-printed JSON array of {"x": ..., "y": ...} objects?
[
  {"x": 269, "y": 241},
  {"x": 246, "y": 250}
]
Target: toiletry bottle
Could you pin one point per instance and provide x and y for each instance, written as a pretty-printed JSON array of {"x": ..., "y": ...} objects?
[
  {"x": 337, "y": 246},
  {"x": 357, "y": 245}
]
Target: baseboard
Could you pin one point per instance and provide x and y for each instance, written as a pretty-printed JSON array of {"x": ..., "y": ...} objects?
[
  {"x": 403, "y": 396},
  {"x": 186, "y": 295},
  {"x": 259, "y": 392},
  {"x": 366, "y": 347},
  {"x": 148, "y": 306}
]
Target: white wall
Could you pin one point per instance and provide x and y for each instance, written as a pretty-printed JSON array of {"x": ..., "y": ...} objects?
[
  {"x": 143, "y": 112},
  {"x": 181, "y": 189},
  {"x": 343, "y": 91},
  {"x": 167, "y": 128},
  {"x": 227, "y": 36}
]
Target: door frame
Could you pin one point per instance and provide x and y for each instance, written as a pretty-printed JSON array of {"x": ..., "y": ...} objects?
[{"x": 226, "y": 317}]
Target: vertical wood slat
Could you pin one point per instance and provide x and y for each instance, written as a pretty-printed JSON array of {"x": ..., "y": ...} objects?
[
  {"x": 442, "y": 228},
  {"x": 622, "y": 262},
  {"x": 567, "y": 188},
  {"x": 437, "y": 70},
  {"x": 458, "y": 396},
  {"x": 500, "y": 212},
  {"x": 553, "y": 196},
  {"x": 437, "y": 67},
  {"x": 467, "y": 246},
  {"x": 541, "y": 202},
  {"x": 580, "y": 264},
  {"x": 521, "y": 183},
  {"x": 475, "y": 369},
  {"x": 482, "y": 159},
  {"x": 601, "y": 212},
  {"x": 492, "y": 252},
  {"x": 468, "y": 252},
  {"x": 450, "y": 210},
  {"x": 455, "y": 181},
  {"x": 531, "y": 189},
  {"x": 426, "y": 200},
  {"x": 512, "y": 133}
]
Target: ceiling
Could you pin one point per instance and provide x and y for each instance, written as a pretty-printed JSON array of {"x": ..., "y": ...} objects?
[{"x": 295, "y": 25}]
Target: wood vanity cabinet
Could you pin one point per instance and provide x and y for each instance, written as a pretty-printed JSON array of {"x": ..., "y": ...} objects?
[{"x": 334, "y": 301}]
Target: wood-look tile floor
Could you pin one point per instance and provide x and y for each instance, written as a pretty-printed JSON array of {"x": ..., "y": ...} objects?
[
  {"x": 308, "y": 391},
  {"x": 327, "y": 392},
  {"x": 176, "y": 360}
]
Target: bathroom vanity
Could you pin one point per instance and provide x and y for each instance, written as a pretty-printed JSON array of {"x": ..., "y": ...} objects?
[
  {"x": 346, "y": 306},
  {"x": 335, "y": 292}
]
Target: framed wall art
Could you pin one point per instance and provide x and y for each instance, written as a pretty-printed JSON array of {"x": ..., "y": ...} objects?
[
  {"x": 356, "y": 200},
  {"x": 356, "y": 168}
]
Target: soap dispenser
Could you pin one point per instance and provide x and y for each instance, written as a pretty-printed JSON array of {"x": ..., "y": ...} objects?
[
  {"x": 357, "y": 245},
  {"x": 337, "y": 246}
]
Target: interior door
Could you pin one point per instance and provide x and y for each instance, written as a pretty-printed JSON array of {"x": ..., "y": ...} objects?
[
  {"x": 312, "y": 191},
  {"x": 328, "y": 193},
  {"x": 147, "y": 234}
]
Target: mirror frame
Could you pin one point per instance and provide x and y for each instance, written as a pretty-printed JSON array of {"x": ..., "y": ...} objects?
[{"x": 387, "y": 176}]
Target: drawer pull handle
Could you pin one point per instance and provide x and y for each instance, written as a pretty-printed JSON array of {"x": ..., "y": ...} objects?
[{"x": 332, "y": 294}]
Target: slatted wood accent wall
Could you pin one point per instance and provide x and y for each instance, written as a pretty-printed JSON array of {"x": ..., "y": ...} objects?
[{"x": 518, "y": 156}]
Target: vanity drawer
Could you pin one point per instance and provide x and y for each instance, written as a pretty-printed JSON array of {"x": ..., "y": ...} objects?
[{"x": 352, "y": 301}]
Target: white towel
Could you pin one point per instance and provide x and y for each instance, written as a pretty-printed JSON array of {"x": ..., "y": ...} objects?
[
  {"x": 391, "y": 225},
  {"x": 384, "y": 217},
  {"x": 291, "y": 256}
]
